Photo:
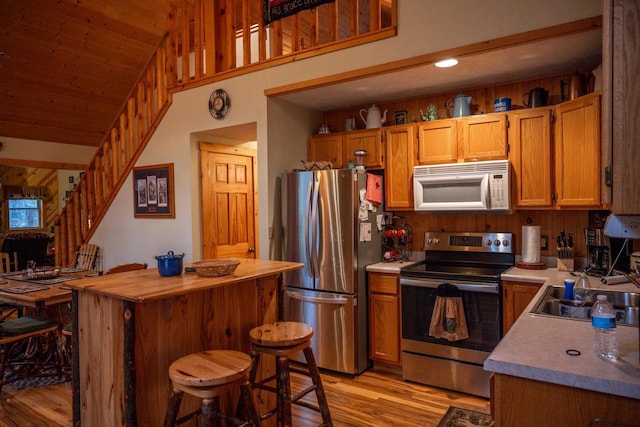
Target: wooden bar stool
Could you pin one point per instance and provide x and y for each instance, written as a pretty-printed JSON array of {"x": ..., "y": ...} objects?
[
  {"x": 283, "y": 340},
  {"x": 207, "y": 375}
]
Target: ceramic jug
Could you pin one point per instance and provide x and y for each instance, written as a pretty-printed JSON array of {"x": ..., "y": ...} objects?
[
  {"x": 461, "y": 106},
  {"x": 536, "y": 97},
  {"x": 373, "y": 120}
]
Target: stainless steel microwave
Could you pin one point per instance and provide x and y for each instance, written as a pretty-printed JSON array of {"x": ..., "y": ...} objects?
[{"x": 474, "y": 186}]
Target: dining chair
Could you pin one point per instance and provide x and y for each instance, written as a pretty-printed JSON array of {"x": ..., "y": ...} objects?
[
  {"x": 28, "y": 348},
  {"x": 5, "y": 262},
  {"x": 86, "y": 257},
  {"x": 127, "y": 267},
  {"x": 7, "y": 309}
]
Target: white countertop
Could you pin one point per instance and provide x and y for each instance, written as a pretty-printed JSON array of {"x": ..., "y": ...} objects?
[
  {"x": 535, "y": 346},
  {"x": 389, "y": 267}
]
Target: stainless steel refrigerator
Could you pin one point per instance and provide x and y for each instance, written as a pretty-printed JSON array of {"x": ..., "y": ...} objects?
[{"x": 327, "y": 230}]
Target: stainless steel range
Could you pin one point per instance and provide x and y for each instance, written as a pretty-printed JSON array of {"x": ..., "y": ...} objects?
[{"x": 473, "y": 263}]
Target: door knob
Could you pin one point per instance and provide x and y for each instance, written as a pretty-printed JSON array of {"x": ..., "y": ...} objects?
[{"x": 252, "y": 249}]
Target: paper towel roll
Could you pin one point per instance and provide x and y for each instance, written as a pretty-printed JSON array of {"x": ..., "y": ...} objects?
[
  {"x": 530, "y": 244},
  {"x": 614, "y": 280}
]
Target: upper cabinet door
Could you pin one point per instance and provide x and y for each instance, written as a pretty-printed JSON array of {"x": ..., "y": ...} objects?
[
  {"x": 368, "y": 140},
  {"x": 530, "y": 154},
  {"x": 326, "y": 148},
  {"x": 398, "y": 177},
  {"x": 577, "y": 152},
  {"x": 484, "y": 137},
  {"x": 438, "y": 142}
]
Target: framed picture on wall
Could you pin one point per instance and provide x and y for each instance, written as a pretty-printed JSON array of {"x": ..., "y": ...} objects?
[
  {"x": 153, "y": 191},
  {"x": 401, "y": 117}
]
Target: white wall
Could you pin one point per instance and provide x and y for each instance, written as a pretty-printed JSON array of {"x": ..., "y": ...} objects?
[
  {"x": 282, "y": 128},
  {"x": 43, "y": 151}
]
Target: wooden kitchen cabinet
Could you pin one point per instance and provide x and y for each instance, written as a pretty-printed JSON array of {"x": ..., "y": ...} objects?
[
  {"x": 366, "y": 139},
  {"x": 516, "y": 296},
  {"x": 438, "y": 142},
  {"x": 384, "y": 318},
  {"x": 620, "y": 90},
  {"x": 484, "y": 137},
  {"x": 531, "y": 157},
  {"x": 471, "y": 138},
  {"x": 326, "y": 147},
  {"x": 577, "y": 152},
  {"x": 400, "y": 148},
  {"x": 519, "y": 401}
]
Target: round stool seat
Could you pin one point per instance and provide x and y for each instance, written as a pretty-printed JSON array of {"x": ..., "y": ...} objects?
[
  {"x": 281, "y": 334},
  {"x": 210, "y": 368}
]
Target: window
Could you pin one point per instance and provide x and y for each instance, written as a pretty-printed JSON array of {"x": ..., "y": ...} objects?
[{"x": 25, "y": 213}]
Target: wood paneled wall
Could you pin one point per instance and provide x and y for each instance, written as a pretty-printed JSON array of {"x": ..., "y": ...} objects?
[
  {"x": 481, "y": 102},
  {"x": 550, "y": 222}
]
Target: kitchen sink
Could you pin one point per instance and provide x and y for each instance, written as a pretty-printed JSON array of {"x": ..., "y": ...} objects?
[{"x": 624, "y": 303}]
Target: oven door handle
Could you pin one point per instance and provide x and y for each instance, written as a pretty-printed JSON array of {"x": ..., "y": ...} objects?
[{"x": 487, "y": 288}]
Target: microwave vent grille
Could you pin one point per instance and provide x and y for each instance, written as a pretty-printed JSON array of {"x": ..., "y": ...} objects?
[{"x": 457, "y": 168}]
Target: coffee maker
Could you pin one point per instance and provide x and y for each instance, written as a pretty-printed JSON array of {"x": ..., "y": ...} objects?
[{"x": 604, "y": 251}]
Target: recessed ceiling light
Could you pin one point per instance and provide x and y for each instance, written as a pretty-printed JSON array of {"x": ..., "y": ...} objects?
[{"x": 446, "y": 63}]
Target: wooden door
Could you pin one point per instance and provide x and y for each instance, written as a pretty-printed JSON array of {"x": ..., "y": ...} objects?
[
  {"x": 438, "y": 142},
  {"x": 577, "y": 152},
  {"x": 484, "y": 137},
  {"x": 229, "y": 216},
  {"x": 400, "y": 149},
  {"x": 530, "y": 155}
]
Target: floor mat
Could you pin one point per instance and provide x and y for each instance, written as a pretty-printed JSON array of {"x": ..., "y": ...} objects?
[
  {"x": 458, "y": 417},
  {"x": 51, "y": 378}
]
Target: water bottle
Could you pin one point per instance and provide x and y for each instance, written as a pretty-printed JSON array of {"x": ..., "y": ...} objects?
[
  {"x": 582, "y": 289},
  {"x": 603, "y": 320}
]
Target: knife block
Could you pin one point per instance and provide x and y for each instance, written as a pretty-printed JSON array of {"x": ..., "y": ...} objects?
[{"x": 565, "y": 260}]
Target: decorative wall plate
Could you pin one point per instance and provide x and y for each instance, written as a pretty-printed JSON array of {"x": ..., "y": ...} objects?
[{"x": 219, "y": 103}]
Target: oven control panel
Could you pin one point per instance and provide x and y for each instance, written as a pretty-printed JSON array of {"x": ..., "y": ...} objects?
[{"x": 468, "y": 241}]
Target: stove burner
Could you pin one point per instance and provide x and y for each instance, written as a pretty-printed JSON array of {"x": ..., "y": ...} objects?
[{"x": 479, "y": 257}]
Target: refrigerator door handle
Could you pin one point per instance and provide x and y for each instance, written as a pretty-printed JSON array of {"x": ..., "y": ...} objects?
[
  {"x": 302, "y": 297},
  {"x": 314, "y": 224},
  {"x": 308, "y": 223}
]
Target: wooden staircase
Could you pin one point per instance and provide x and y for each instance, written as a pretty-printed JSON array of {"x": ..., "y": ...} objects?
[
  {"x": 131, "y": 131},
  {"x": 182, "y": 62}
]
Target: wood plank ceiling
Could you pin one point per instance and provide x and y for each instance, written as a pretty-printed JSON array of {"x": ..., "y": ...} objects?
[{"x": 66, "y": 66}]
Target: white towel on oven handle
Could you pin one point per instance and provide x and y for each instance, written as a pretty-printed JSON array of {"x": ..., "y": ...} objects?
[{"x": 448, "y": 320}]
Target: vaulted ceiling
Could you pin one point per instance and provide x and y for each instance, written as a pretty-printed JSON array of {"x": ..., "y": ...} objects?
[{"x": 67, "y": 66}]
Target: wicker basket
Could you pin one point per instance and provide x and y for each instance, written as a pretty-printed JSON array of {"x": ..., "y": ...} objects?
[{"x": 215, "y": 267}]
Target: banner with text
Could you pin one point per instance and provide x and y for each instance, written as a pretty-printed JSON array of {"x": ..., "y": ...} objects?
[{"x": 278, "y": 9}]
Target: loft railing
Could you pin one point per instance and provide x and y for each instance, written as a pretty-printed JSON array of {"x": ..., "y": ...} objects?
[
  {"x": 213, "y": 40},
  {"x": 207, "y": 41}
]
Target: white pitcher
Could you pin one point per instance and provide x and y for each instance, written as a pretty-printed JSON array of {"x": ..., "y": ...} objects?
[{"x": 373, "y": 119}]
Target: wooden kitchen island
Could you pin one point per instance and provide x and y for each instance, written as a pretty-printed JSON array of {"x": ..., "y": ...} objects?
[{"x": 129, "y": 327}]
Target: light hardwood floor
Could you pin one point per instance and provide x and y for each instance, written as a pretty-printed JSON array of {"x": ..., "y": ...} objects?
[{"x": 375, "y": 398}]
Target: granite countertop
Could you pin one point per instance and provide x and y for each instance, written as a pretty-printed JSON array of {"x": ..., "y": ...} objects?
[
  {"x": 392, "y": 267},
  {"x": 535, "y": 346}
]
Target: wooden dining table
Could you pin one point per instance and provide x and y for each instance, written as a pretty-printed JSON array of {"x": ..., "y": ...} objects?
[{"x": 41, "y": 292}]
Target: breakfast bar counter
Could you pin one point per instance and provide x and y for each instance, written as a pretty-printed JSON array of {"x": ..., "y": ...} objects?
[{"x": 129, "y": 327}]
